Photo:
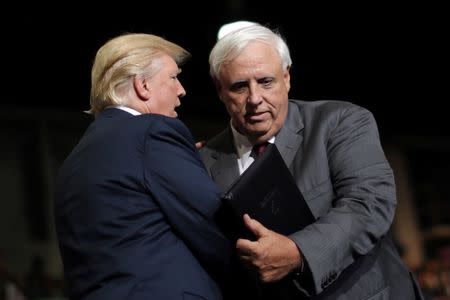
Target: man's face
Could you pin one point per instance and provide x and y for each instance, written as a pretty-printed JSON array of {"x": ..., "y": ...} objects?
[
  {"x": 254, "y": 88},
  {"x": 166, "y": 89}
]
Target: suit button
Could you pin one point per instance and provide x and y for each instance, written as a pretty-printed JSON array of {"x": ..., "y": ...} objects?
[{"x": 324, "y": 283}]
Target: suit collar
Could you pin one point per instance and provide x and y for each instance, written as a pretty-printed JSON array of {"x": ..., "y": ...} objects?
[
  {"x": 290, "y": 137},
  {"x": 113, "y": 113}
]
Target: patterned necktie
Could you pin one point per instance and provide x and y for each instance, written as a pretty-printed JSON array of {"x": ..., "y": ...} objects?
[{"x": 258, "y": 149}]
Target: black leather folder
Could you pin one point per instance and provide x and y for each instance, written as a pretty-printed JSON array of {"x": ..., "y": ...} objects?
[{"x": 268, "y": 193}]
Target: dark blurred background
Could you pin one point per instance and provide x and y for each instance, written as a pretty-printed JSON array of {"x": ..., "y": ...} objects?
[{"x": 389, "y": 58}]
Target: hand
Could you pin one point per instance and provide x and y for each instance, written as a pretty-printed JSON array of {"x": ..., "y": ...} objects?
[
  {"x": 272, "y": 255},
  {"x": 199, "y": 145}
]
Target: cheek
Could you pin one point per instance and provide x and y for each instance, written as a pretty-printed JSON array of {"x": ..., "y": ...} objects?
[
  {"x": 278, "y": 101},
  {"x": 235, "y": 104},
  {"x": 280, "y": 111}
]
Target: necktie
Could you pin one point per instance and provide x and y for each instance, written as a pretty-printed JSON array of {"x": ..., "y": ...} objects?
[{"x": 258, "y": 149}]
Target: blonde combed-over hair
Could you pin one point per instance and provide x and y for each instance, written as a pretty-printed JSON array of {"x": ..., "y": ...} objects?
[{"x": 123, "y": 57}]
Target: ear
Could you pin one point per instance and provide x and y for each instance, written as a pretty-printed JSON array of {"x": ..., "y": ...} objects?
[
  {"x": 142, "y": 87},
  {"x": 287, "y": 78}
]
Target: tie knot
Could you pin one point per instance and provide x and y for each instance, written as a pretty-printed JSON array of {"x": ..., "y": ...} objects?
[{"x": 258, "y": 149}]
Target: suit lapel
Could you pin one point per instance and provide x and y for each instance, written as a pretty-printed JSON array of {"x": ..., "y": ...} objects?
[
  {"x": 225, "y": 169},
  {"x": 290, "y": 137}
]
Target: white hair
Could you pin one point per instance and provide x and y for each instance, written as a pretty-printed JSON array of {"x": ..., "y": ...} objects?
[{"x": 233, "y": 42}]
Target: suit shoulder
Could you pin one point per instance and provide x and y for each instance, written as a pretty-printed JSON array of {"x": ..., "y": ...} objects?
[
  {"x": 154, "y": 122},
  {"x": 213, "y": 144},
  {"x": 331, "y": 107},
  {"x": 326, "y": 104},
  {"x": 222, "y": 142},
  {"x": 219, "y": 138}
]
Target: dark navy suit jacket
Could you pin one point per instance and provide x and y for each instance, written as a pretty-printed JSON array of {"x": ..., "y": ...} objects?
[{"x": 133, "y": 211}]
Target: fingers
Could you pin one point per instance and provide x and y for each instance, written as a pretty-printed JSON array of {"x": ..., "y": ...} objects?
[
  {"x": 254, "y": 226},
  {"x": 246, "y": 247},
  {"x": 272, "y": 255},
  {"x": 199, "y": 145}
]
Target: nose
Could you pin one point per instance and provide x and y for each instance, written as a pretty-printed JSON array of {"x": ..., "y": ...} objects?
[
  {"x": 181, "y": 91},
  {"x": 254, "y": 96}
]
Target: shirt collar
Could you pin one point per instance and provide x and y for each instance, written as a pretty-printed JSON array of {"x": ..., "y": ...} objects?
[{"x": 127, "y": 109}]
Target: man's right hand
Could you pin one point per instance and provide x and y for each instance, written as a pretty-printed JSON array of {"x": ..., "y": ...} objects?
[{"x": 272, "y": 255}]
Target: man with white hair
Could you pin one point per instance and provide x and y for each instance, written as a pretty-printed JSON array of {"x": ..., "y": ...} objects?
[{"x": 333, "y": 150}]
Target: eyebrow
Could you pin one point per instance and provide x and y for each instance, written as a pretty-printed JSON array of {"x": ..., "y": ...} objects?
[
  {"x": 239, "y": 82},
  {"x": 259, "y": 79}
]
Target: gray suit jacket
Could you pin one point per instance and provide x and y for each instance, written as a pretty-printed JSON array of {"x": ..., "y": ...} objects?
[{"x": 334, "y": 153}]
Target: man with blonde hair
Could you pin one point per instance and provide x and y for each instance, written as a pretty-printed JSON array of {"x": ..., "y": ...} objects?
[{"x": 134, "y": 205}]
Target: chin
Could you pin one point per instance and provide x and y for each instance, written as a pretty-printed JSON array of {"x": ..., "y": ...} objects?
[
  {"x": 255, "y": 132},
  {"x": 261, "y": 127}
]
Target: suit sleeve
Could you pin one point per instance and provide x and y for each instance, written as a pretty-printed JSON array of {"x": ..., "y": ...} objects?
[
  {"x": 179, "y": 182},
  {"x": 364, "y": 204}
]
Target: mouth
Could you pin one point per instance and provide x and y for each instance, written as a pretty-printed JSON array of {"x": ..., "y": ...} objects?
[
  {"x": 174, "y": 110},
  {"x": 256, "y": 116}
]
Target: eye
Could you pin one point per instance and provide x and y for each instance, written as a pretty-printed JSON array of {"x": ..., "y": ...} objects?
[
  {"x": 266, "y": 81},
  {"x": 238, "y": 87}
]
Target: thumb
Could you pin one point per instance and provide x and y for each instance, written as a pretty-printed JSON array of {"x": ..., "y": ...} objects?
[{"x": 254, "y": 226}]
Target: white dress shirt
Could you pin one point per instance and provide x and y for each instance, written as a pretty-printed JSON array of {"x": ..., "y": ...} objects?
[
  {"x": 127, "y": 109},
  {"x": 244, "y": 148}
]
